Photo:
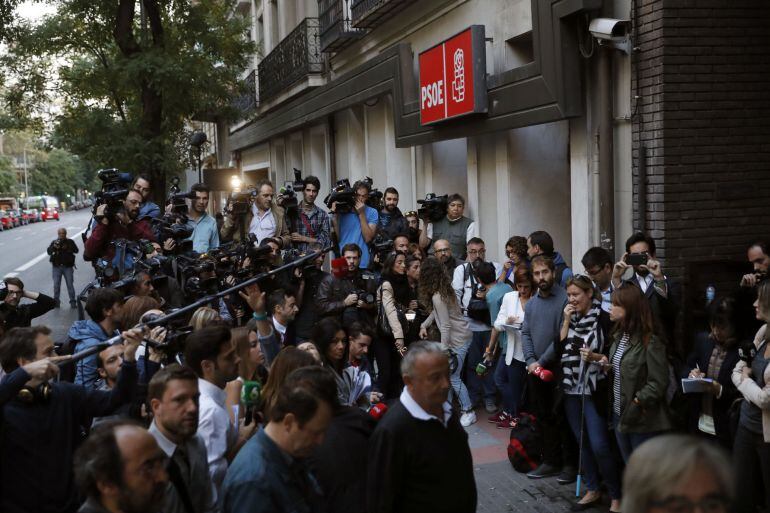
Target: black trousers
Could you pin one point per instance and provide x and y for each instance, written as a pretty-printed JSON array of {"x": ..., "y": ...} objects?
[
  {"x": 388, "y": 381},
  {"x": 751, "y": 468},
  {"x": 559, "y": 445}
]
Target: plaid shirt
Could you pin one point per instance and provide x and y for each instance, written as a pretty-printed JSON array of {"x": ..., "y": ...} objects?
[{"x": 320, "y": 228}]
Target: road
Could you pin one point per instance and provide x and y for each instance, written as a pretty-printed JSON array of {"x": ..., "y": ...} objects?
[{"x": 24, "y": 256}]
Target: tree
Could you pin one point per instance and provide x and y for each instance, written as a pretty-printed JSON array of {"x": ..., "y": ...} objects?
[
  {"x": 131, "y": 76},
  {"x": 7, "y": 177}
]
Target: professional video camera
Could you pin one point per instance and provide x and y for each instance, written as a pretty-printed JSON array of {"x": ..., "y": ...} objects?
[
  {"x": 433, "y": 207},
  {"x": 381, "y": 246},
  {"x": 177, "y": 199},
  {"x": 345, "y": 196},
  {"x": 239, "y": 202},
  {"x": 115, "y": 187}
]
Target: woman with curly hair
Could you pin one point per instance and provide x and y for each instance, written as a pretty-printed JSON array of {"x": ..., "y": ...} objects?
[
  {"x": 438, "y": 296},
  {"x": 516, "y": 258}
]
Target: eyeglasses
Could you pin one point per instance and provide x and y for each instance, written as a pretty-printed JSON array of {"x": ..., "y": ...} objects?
[
  {"x": 15, "y": 292},
  {"x": 715, "y": 503}
]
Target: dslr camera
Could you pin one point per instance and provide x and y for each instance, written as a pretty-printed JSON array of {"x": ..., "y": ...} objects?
[{"x": 433, "y": 208}]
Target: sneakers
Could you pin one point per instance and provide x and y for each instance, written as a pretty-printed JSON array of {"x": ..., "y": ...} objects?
[
  {"x": 508, "y": 423},
  {"x": 544, "y": 470},
  {"x": 498, "y": 417},
  {"x": 490, "y": 406},
  {"x": 467, "y": 418}
]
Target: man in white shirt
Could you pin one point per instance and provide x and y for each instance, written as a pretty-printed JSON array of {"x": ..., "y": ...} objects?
[
  {"x": 173, "y": 395},
  {"x": 464, "y": 282},
  {"x": 210, "y": 353},
  {"x": 264, "y": 218}
]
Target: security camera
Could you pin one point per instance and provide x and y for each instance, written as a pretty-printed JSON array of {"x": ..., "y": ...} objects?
[{"x": 612, "y": 32}]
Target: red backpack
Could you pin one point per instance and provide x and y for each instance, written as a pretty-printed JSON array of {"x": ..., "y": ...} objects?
[{"x": 525, "y": 448}]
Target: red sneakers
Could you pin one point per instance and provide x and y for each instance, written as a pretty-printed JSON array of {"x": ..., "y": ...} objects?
[
  {"x": 508, "y": 423},
  {"x": 498, "y": 417}
]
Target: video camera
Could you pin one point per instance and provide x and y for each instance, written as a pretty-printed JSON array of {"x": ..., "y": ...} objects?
[
  {"x": 177, "y": 199},
  {"x": 381, "y": 246},
  {"x": 434, "y": 208},
  {"x": 345, "y": 196},
  {"x": 115, "y": 187},
  {"x": 239, "y": 201}
]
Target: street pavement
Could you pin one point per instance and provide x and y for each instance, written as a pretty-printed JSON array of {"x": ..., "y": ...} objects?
[
  {"x": 500, "y": 488},
  {"x": 24, "y": 255}
]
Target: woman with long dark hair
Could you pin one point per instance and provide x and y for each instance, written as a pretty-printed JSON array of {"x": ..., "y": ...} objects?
[
  {"x": 751, "y": 450},
  {"x": 437, "y": 294},
  {"x": 394, "y": 298},
  {"x": 639, "y": 369},
  {"x": 332, "y": 343}
]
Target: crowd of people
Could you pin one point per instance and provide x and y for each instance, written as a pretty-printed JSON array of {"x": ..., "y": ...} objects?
[{"x": 347, "y": 387}]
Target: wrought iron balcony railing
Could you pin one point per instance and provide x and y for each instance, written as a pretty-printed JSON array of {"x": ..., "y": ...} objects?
[
  {"x": 336, "y": 29},
  {"x": 246, "y": 102},
  {"x": 367, "y": 14},
  {"x": 296, "y": 57}
]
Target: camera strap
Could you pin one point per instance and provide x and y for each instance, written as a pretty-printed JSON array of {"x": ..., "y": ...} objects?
[{"x": 306, "y": 222}]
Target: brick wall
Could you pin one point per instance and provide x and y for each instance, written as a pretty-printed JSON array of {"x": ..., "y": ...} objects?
[{"x": 703, "y": 78}]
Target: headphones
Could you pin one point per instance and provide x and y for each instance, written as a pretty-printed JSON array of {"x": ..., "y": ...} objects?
[{"x": 30, "y": 395}]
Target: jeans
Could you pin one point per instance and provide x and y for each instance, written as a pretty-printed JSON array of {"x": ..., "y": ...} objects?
[
  {"x": 751, "y": 467},
  {"x": 596, "y": 456},
  {"x": 479, "y": 387},
  {"x": 510, "y": 381},
  {"x": 559, "y": 447},
  {"x": 67, "y": 272},
  {"x": 458, "y": 386},
  {"x": 628, "y": 442}
]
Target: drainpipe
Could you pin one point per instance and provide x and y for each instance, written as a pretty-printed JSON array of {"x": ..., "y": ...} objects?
[
  {"x": 606, "y": 157},
  {"x": 332, "y": 150}
]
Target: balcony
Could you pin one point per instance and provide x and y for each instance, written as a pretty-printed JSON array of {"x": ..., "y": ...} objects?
[
  {"x": 246, "y": 102},
  {"x": 367, "y": 14},
  {"x": 336, "y": 29},
  {"x": 296, "y": 57}
]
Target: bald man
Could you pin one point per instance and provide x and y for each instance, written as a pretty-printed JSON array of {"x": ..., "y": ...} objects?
[{"x": 62, "y": 251}]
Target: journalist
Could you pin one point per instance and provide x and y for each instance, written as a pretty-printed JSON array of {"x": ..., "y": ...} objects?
[
  {"x": 20, "y": 316},
  {"x": 349, "y": 296},
  {"x": 148, "y": 209},
  {"x": 358, "y": 227},
  {"x": 62, "y": 251},
  {"x": 42, "y": 424},
  {"x": 120, "y": 469},
  {"x": 123, "y": 225},
  {"x": 313, "y": 228},
  {"x": 455, "y": 228},
  {"x": 516, "y": 258},
  {"x": 270, "y": 474},
  {"x": 541, "y": 243},
  {"x": 443, "y": 253},
  {"x": 263, "y": 218},
  {"x": 309, "y": 312},
  {"x": 758, "y": 255},
  {"x": 205, "y": 234},
  {"x": 391, "y": 221},
  {"x": 598, "y": 265}
]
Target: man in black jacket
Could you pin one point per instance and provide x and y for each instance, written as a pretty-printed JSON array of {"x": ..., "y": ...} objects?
[
  {"x": 21, "y": 316},
  {"x": 350, "y": 294},
  {"x": 391, "y": 221},
  {"x": 62, "y": 251},
  {"x": 42, "y": 424},
  {"x": 419, "y": 459}
]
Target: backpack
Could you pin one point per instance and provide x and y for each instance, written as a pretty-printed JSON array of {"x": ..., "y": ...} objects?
[{"x": 525, "y": 448}]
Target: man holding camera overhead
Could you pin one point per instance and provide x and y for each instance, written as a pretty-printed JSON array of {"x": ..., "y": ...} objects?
[
  {"x": 263, "y": 217},
  {"x": 359, "y": 226},
  {"x": 454, "y": 227}
]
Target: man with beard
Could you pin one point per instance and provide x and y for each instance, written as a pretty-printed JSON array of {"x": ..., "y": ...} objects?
[
  {"x": 173, "y": 395},
  {"x": 313, "y": 225},
  {"x": 337, "y": 294},
  {"x": 210, "y": 353},
  {"x": 270, "y": 473},
  {"x": 443, "y": 251},
  {"x": 119, "y": 468},
  {"x": 392, "y": 222},
  {"x": 124, "y": 225},
  {"x": 540, "y": 331},
  {"x": 148, "y": 209},
  {"x": 205, "y": 235}
]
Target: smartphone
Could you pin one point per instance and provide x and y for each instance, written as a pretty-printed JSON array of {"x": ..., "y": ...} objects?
[{"x": 636, "y": 259}]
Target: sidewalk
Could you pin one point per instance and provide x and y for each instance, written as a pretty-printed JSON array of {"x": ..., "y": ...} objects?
[{"x": 500, "y": 488}]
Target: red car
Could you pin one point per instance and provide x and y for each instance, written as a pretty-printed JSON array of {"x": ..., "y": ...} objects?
[
  {"x": 49, "y": 213},
  {"x": 6, "y": 220}
]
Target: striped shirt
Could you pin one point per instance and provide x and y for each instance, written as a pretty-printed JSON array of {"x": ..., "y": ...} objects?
[{"x": 616, "y": 358}]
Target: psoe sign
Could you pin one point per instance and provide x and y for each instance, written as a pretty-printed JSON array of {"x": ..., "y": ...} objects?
[{"x": 453, "y": 77}]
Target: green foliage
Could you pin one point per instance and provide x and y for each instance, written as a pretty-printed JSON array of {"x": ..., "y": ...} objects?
[
  {"x": 125, "y": 93},
  {"x": 7, "y": 177}
]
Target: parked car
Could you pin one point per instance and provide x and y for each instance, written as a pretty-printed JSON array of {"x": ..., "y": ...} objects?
[
  {"x": 14, "y": 218},
  {"x": 88, "y": 203},
  {"x": 50, "y": 213},
  {"x": 32, "y": 215},
  {"x": 23, "y": 217},
  {"x": 6, "y": 220}
]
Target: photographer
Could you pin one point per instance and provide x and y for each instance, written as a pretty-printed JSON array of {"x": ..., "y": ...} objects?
[
  {"x": 358, "y": 227},
  {"x": 16, "y": 316},
  {"x": 124, "y": 225},
  {"x": 309, "y": 311},
  {"x": 205, "y": 234},
  {"x": 42, "y": 424},
  {"x": 454, "y": 227},
  {"x": 350, "y": 295},
  {"x": 313, "y": 225},
  {"x": 62, "y": 251},
  {"x": 263, "y": 218},
  {"x": 391, "y": 221},
  {"x": 148, "y": 209}
]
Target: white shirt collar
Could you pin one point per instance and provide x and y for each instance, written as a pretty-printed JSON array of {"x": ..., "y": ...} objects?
[
  {"x": 416, "y": 411},
  {"x": 280, "y": 328},
  {"x": 211, "y": 390},
  {"x": 166, "y": 445}
]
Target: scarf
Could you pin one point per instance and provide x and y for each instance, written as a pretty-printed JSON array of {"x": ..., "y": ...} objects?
[{"x": 583, "y": 332}]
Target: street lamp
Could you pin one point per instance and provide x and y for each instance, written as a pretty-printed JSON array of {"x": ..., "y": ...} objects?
[
  {"x": 197, "y": 140},
  {"x": 235, "y": 183}
]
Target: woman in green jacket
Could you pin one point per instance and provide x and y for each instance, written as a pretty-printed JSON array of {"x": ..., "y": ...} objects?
[{"x": 639, "y": 372}]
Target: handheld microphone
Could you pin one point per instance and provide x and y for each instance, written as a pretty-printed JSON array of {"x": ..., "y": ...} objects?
[
  {"x": 544, "y": 374},
  {"x": 378, "y": 410}
]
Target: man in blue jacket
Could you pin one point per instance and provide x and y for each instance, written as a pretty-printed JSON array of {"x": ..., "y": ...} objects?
[
  {"x": 103, "y": 306},
  {"x": 541, "y": 243}
]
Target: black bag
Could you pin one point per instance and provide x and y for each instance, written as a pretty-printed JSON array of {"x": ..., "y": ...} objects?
[
  {"x": 525, "y": 447},
  {"x": 384, "y": 325},
  {"x": 478, "y": 310}
]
